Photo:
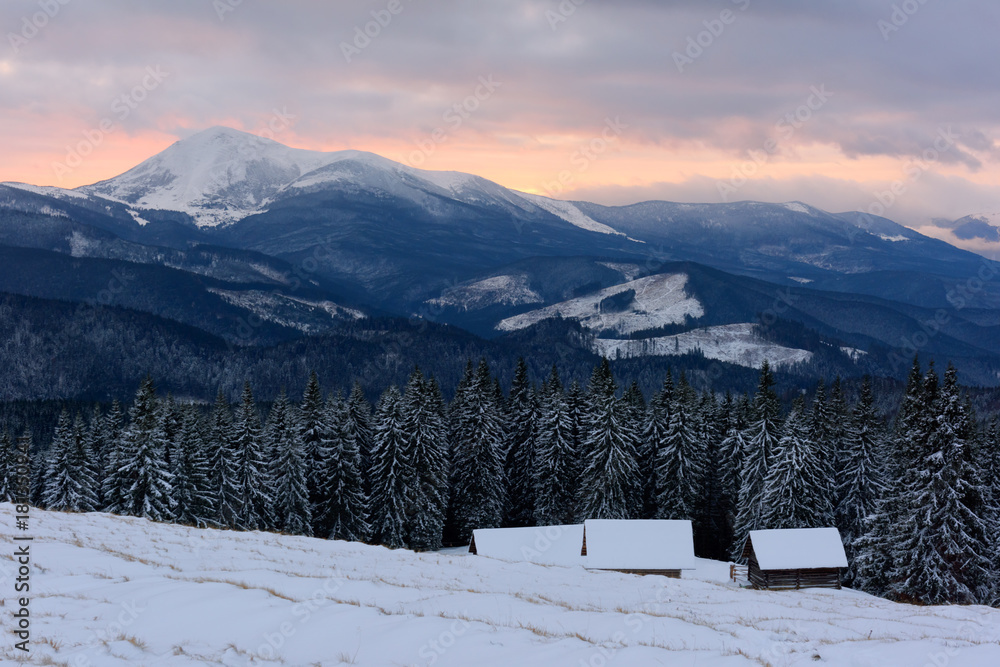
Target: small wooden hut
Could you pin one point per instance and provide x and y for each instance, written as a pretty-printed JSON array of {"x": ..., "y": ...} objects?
[
  {"x": 653, "y": 546},
  {"x": 794, "y": 558},
  {"x": 545, "y": 545}
]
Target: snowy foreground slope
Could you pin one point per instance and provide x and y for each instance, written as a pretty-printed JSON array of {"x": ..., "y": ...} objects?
[{"x": 121, "y": 591}]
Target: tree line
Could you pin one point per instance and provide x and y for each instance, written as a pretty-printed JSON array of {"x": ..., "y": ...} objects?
[{"x": 917, "y": 502}]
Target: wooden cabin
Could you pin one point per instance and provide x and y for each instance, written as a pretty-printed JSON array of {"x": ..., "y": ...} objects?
[
  {"x": 794, "y": 558},
  {"x": 545, "y": 545},
  {"x": 663, "y": 547}
]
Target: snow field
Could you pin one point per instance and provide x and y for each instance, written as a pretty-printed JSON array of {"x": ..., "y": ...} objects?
[
  {"x": 123, "y": 591},
  {"x": 659, "y": 300}
]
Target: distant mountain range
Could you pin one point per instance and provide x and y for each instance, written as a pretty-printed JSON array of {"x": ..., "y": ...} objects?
[{"x": 258, "y": 244}]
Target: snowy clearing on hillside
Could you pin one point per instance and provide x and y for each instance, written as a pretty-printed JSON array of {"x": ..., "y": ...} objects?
[
  {"x": 733, "y": 343},
  {"x": 286, "y": 310},
  {"x": 570, "y": 213},
  {"x": 659, "y": 300},
  {"x": 123, "y": 591},
  {"x": 498, "y": 290}
]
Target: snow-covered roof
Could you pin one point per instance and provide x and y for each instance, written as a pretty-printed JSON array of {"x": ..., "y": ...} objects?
[
  {"x": 653, "y": 544},
  {"x": 546, "y": 545},
  {"x": 798, "y": 548}
]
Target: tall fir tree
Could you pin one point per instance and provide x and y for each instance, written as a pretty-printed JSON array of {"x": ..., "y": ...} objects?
[
  {"x": 392, "y": 472},
  {"x": 656, "y": 423},
  {"x": 97, "y": 444},
  {"x": 825, "y": 434},
  {"x": 253, "y": 511},
  {"x": 60, "y": 491},
  {"x": 681, "y": 462},
  {"x": 84, "y": 466},
  {"x": 194, "y": 500},
  {"x": 315, "y": 435},
  {"x": 426, "y": 429},
  {"x": 761, "y": 440},
  {"x": 148, "y": 481},
  {"x": 112, "y": 486},
  {"x": 795, "y": 494},
  {"x": 222, "y": 463},
  {"x": 477, "y": 484},
  {"x": 610, "y": 487},
  {"x": 345, "y": 506},
  {"x": 556, "y": 471},
  {"x": 287, "y": 470},
  {"x": 861, "y": 483},
  {"x": 519, "y": 449},
  {"x": 946, "y": 559},
  {"x": 360, "y": 414}
]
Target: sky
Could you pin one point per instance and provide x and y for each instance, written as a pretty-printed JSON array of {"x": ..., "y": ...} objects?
[{"x": 888, "y": 106}]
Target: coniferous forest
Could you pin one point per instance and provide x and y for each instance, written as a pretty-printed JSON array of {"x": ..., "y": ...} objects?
[{"x": 917, "y": 500}]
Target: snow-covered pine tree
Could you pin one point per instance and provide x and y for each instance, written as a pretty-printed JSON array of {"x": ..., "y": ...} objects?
[
  {"x": 426, "y": 429},
  {"x": 287, "y": 468},
  {"x": 112, "y": 487},
  {"x": 144, "y": 470},
  {"x": 222, "y": 463},
  {"x": 84, "y": 470},
  {"x": 610, "y": 487},
  {"x": 60, "y": 491},
  {"x": 714, "y": 535},
  {"x": 681, "y": 462},
  {"x": 7, "y": 467},
  {"x": 761, "y": 439},
  {"x": 946, "y": 558},
  {"x": 731, "y": 450},
  {"x": 392, "y": 472},
  {"x": 361, "y": 423},
  {"x": 315, "y": 435},
  {"x": 253, "y": 511},
  {"x": 888, "y": 524},
  {"x": 194, "y": 501},
  {"x": 861, "y": 480},
  {"x": 477, "y": 480},
  {"x": 345, "y": 506},
  {"x": 794, "y": 488},
  {"x": 519, "y": 447},
  {"x": 823, "y": 432},
  {"x": 97, "y": 443},
  {"x": 555, "y": 473},
  {"x": 656, "y": 422}
]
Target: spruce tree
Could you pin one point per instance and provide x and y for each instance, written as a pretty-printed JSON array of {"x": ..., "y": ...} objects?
[
  {"x": 222, "y": 463},
  {"x": 761, "y": 439},
  {"x": 946, "y": 558},
  {"x": 681, "y": 462},
  {"x": 519, "y": 447},
  {"x": 426, "y": 429},
  {"x": 253, "y": 511},
  {"x": 556, "y": 472},
  {"x": 360, "y": 414},
  {"x": 97, "y": 444},
  {"x": 315, "y": 435},
  {"x": 825, "y": 434},
  {"x": 345, "y": 505},
  {"x": 148, "y": 481},
  {"x": 392, "y": 472},
  {"x": 477, "y": 481},
  {"x": 83, "y": 466},
  {"x": 60, "y": 490},
  {"x": 656, "y": 423},
  {"x": 795, "y": 487},
  {"x": 112, "y": 482},
  {"x": 194, "y": 500},
  {"x": 287, "y": 467},
  {"x": 610, "y": 487},
  {"x": 861, "y": 481}
]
